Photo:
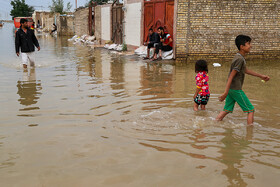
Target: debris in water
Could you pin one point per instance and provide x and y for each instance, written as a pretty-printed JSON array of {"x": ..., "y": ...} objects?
[{"x": 217, "y": 65}]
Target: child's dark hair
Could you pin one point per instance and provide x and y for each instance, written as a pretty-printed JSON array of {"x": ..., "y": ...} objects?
[
  {"x": 241, "y": 40},
  {"x": 151, "y": 29},
  {"x": 201, "y": 65}
]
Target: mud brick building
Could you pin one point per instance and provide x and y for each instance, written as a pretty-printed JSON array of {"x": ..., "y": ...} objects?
[
  {"x": 65, "y": 25},
  {"x": 65, "y": 22},
  {"x": 81, "y": 21},
  {"x": 45, "y": 18},
  {"x": 209, "y": 27}
]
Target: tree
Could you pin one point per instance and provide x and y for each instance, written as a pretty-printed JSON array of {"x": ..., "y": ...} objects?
[
  {"x": 58, "y": 6},
  {"x": 21, "y": 9},
  {"x": 68, "y": 7}
]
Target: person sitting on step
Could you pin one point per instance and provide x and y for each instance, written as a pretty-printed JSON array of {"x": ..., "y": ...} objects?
[
  {"x": 154, "y": 40},
  {"x": 164, "y": 45}
]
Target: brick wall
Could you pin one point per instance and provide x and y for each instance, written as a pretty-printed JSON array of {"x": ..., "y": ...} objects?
[
  {"x": 81, "y": 21},
  {"x": 210, "y": 27}
]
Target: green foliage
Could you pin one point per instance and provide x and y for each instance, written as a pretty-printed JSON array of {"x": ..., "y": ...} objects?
[
  {"x": 21, "y": 9},
  {"x": 58, "y": 6},
  {"x": 124, "y": 47},
  {"x": 99, "y": 2},
  {"x": 68, "y": 7}
]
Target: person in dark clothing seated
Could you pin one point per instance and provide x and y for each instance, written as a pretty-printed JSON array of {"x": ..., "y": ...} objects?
[
  {"x": 164, "y": 45},
  {"x": 154, "y": 40}
]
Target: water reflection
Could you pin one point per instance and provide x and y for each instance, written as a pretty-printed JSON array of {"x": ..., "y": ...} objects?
[
  {"x": 117, "y": 75},
  {"x": 232, "y": 156},
  {"x": 97, "y": 70},
  {"x": 86, "y": 66},
  {"x": 156, "y": 82},
  {"x": 29, "y": 88}
]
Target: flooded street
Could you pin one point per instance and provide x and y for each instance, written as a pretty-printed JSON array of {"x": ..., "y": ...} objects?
[{"x": 89, "y": 117}]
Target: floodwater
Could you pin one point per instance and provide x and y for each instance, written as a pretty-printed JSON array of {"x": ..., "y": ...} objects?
[{"x": 89, "y": 117}]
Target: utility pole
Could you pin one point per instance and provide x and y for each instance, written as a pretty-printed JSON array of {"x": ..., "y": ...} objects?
[{"x": 76, "y": 4}]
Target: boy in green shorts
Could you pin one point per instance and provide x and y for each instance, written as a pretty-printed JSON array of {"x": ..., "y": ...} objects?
[{"x": 233, "y": 92}]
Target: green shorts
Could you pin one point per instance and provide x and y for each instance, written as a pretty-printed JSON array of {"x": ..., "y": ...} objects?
[{"x": 242, "y": 100}]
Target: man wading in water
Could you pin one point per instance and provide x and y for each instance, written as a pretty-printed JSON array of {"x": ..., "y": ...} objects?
[{"x": 25, "y": 40}]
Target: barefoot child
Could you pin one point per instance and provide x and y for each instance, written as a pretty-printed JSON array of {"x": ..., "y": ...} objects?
[
  {"x": 202, "y": 93},
  {"x": 233, "y": 92}
]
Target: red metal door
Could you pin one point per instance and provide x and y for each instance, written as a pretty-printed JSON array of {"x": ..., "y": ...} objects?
[
  {"x": 158, "y": 13},
  {"x": 148, "y": 18},
  {"x": 169, "y": 20}
]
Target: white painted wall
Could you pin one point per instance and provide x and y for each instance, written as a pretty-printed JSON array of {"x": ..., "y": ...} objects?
[
  {"x": 105, "y": 23},
  {"x": 133, "y": 24}
]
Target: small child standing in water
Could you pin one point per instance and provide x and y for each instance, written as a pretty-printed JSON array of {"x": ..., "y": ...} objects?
[{"x": 202, "y": 93}]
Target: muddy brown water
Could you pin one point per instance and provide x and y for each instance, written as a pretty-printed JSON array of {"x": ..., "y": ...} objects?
[{"x": 89, "y": 117}]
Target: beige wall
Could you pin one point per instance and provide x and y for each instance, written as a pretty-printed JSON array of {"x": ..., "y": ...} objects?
[
  {"x": 106, "y": 23},
  {"x": 210, "y": 27},
  {"x": 132, "y": 26}
]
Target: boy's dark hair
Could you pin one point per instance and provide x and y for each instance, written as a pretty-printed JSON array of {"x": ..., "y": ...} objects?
[
  {"x": 241, "y": 40},
  {"x": 160, "y": 28},
  {"x": 151, "y": 29},
  {"x": 23, "y": 20},
  {"x": 201, "y": 65}
]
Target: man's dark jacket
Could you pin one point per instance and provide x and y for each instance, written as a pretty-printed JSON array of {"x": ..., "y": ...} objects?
[
  {"x": 154, "y": 38},
  {"x": 26, "y": 41}
]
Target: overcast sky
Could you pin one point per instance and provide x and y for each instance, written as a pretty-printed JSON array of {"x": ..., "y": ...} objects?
[{"x": 5, "y": 6}]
